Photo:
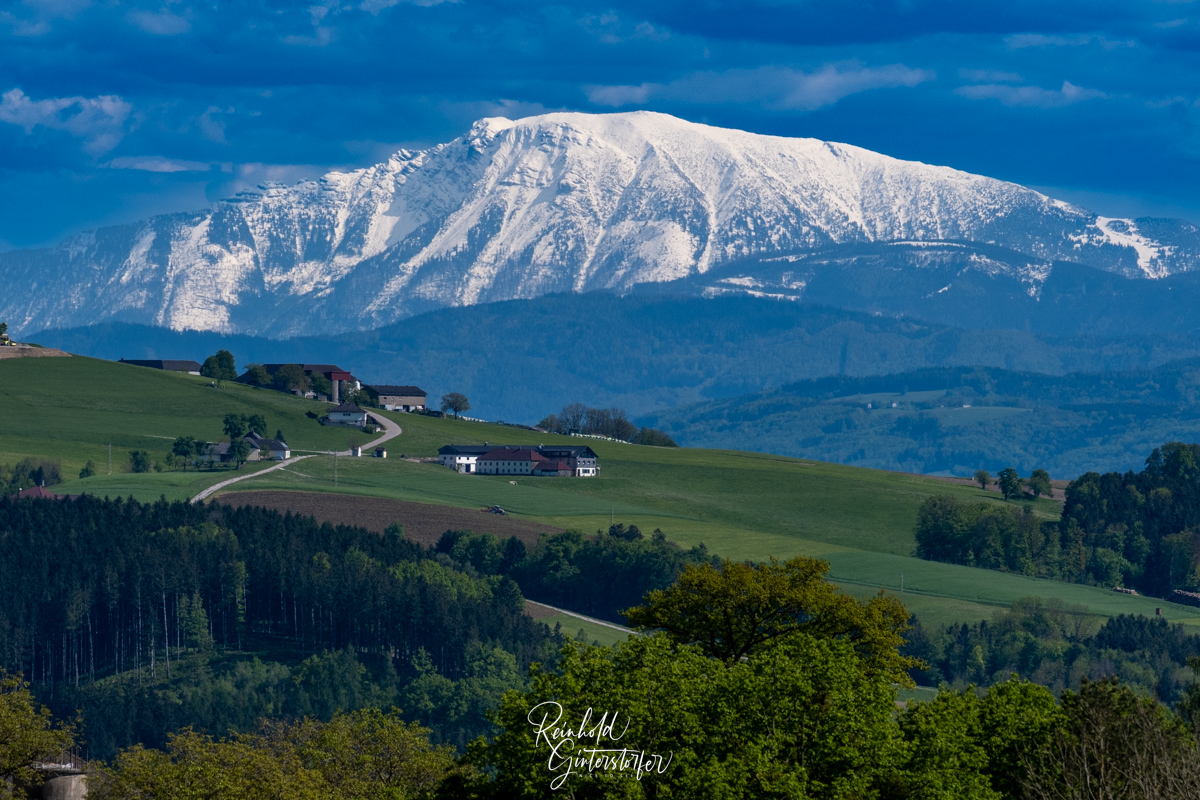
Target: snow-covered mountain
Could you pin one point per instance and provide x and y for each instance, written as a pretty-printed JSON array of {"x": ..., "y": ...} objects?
[{"x": 554, "y": 203}]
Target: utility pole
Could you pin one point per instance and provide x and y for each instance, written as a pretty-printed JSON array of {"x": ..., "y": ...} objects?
[
  {"x": 901, "y": 583},
  {"x": 335, "y": 469},
  {"x": 110, "y": 458}
]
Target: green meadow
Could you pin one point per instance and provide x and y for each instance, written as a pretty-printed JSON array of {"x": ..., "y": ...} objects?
[
  {"x": 72, "y": 409},
  {"x": 740, "y": 505}
]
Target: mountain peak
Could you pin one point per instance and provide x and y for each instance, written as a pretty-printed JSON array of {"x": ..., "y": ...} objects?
[{"x": 559, "y": 202}]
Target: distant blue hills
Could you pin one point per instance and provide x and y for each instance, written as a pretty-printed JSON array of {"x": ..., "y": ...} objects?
[{"x": 747, "y": 372}]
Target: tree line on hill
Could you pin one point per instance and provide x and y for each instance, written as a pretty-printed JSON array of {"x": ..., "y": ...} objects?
[
  {"x": 1137, "y": 530},
  {"x": 612, "y": 423},
  {"x": 600, "y": 575},
  {"x": 748, "y": 681},
  {"x": 1058, "y": 646}
]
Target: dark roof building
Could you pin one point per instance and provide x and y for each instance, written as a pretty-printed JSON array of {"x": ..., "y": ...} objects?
[
  {"x": 168, "y": 365},
  {"x": 465, "y": 449},
  {"x": 37, "y": 493}
]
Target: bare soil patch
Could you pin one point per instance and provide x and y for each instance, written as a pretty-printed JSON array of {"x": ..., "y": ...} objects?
[
  {"x": 539, "y": 611},
  {"x": 423, "y": 522},
  {"x": 21, "y": 351}
]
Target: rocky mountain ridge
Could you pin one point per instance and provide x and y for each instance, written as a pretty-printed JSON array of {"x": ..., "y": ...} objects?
[{"x": 556, "y": 203}]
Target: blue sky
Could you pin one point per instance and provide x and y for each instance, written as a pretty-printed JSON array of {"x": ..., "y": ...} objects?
[{"x": 111, "y": 111}]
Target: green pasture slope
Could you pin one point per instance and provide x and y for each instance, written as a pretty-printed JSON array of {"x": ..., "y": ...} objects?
[
  {"x": 740, "y": 505},
  {"x": 70, "y": 409}
]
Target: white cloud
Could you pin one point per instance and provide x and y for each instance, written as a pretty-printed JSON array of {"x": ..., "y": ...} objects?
[
  {"x": 1030, "y": 96},
  {"x": 773, "y": 87},
  {"x": 1021, "y": 41},
  {"x": 160, "y": 23},
  {"x": 211, "y": 126},
  {"x": 40, "y": 14},
  {"x": 617, "y": 96},
  {"x": 99, "y": 121},
  {"x": 158, "y": 164}
]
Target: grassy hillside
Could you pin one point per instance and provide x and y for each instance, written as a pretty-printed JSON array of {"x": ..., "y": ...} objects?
[
  {"x": 741, "y": 505},
  {"x": 71, "y": 409}
]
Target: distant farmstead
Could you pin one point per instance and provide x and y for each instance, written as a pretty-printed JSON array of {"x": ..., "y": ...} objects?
[
  {"x": 190, "y": 367},
  {"x": 578, "y": 461},
  {"x": 399, "y": 398},
  {"x": 340, "y": 380},
  {"x": 276, "y": 450}
]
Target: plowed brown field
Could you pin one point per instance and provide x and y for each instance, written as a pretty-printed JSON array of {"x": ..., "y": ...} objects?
[{"x": 423, "y": 522}]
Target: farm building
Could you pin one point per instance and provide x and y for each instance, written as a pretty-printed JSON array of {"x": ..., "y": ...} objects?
[
  {"x": 566, "y": 461},
  {"x": 462, "y": 457},
  {"x": 349, "y": 415},
  {"x": 340, "y": 380},
  {"x": 398, "y": 398},
  {"x": 219, "y": 452}
]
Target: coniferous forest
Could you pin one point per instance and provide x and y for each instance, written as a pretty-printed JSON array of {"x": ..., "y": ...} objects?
[{"x": 177, "y": 600}]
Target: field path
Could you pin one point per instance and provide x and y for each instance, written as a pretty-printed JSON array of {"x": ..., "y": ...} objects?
[
  {"x": 390, "y": 431},
  {"x": 218, "y": 486},
  {"x": 557, "y": 610}
]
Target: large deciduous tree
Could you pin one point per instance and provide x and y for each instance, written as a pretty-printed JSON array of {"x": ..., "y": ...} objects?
[
  {"x": 220, "y": 367},
  {"x": 1039, "y": 483},
  {"x": 1010, "y": 483},
  {"x": 28, "y": 736},
  {"x": 455, "y": 402},
  {"x": 736, "y": 608}
]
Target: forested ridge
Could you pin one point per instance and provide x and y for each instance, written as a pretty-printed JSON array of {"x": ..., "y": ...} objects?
[
  {"x": 151, "y": 617},
  {"x": 751, "y": 681}
]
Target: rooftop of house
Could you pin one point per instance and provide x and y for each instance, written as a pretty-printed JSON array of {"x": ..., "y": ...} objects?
[
  {"x": 513, "y": 454},
  {"x": 464, "y": 449},
  {"x": 37, "y": 493},
  {"x": 347, "y": 408},
  {"x": 402, "y": 391},
  {"x": 260, "y": 442}
]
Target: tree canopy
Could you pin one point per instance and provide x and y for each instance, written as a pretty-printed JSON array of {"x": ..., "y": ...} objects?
[
  {"x": 220, "y": 367},
  {"x": 29, "y": 735},
  {"x": 735, "y": 608},
  {"x": 456, "y": 402}
]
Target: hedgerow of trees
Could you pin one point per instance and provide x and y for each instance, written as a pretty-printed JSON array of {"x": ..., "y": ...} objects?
[
  {"x": 600, "y": 575},
  {"x": 1139, "y": 530},
  {"x": 611, "y": 422}
]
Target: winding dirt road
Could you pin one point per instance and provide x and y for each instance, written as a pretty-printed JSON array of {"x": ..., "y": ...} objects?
[{"x": 390, "y": 431}]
